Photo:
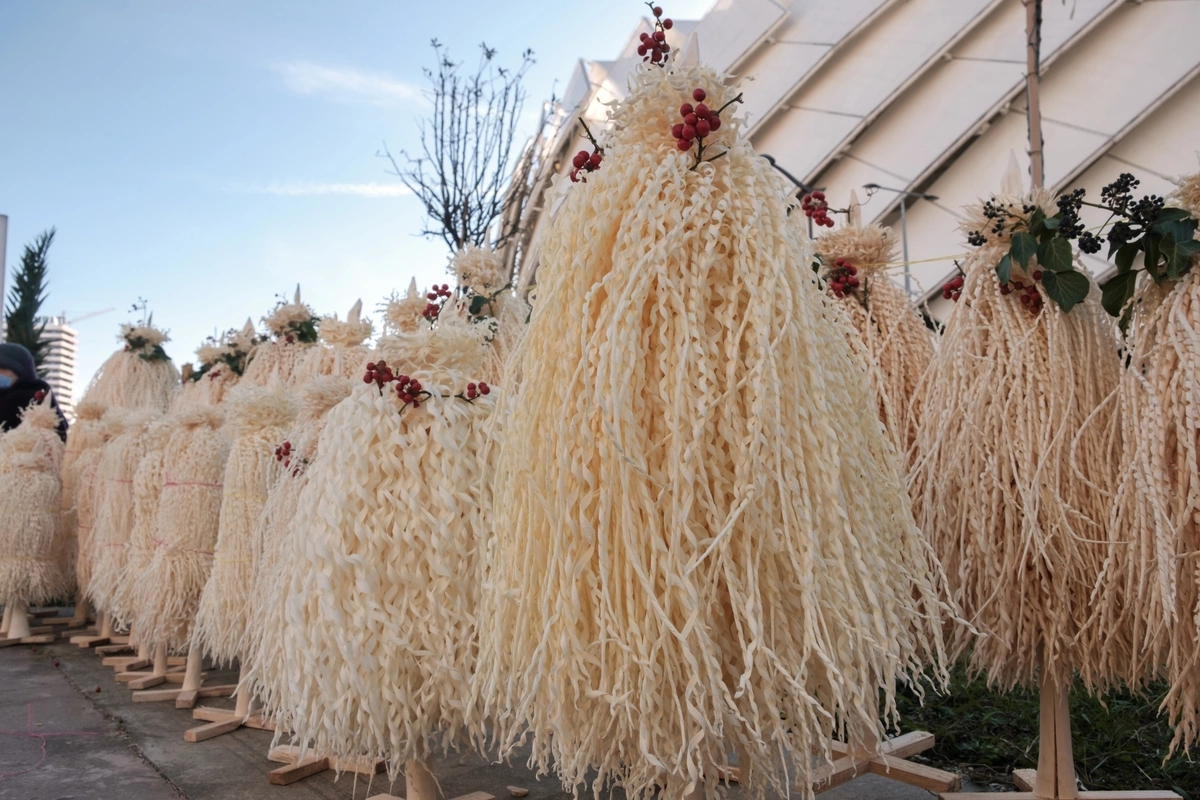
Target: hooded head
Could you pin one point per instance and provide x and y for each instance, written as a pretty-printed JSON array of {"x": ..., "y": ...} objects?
[{"x": 19, "y": 361}]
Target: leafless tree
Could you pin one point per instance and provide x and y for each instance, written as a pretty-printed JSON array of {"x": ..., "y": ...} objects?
[{"x": 470, "y": 177}]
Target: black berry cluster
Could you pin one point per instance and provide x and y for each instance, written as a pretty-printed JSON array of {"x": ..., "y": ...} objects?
[{"x": 654, "y": 47}]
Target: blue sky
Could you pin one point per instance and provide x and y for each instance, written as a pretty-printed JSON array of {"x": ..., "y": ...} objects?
[{"x": 210, "y": 155}]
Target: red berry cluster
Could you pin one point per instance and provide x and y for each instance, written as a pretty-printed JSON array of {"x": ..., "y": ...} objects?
[
  {"x": 698, "y": 121},
  {"x": 474, "y": 390},
  {"x": 1031, "y": 298},
  {"x": 39, "y": 395},
  {"x": 654, "y": 47},
  {"x": 284, "y": 453},
  {"x": 410, "y": 391},
  {"x": 586, "y": 162},
  {"x": 289, "y": 339},
  {"x": 953, "y": 288},
  {"x": 437, "y": 300},
  {"x": 378, "y": 373},
  {"x": 816, "y": 209},
  {"x": 843, "y": 278}
]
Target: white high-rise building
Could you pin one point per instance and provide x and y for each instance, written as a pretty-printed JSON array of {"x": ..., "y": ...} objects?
[{"x": 58, "y": 364}]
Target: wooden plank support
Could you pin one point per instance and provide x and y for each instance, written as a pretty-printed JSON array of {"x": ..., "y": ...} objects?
[
  {"x": 361, "y": 765},
  {"x": 889, "y": 762},
  {"x": 298, "y": 770},
  {"x": 156, "y": 695},
  {"x": 146, "y": 682},
  {"x": 113, "y": 649},
  {"x": 42, "y": 639},
  {"x": 211, "y": 730},
  {"x": 126, "y": 663},
  {"x": 255, "y": 721},
  {"x": 89, "y": 641}
]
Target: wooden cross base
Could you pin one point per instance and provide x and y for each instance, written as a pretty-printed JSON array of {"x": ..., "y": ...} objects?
[
  {"x": 471, "y": 796},
  {"x": 114, "y": 650},
  {"x": 43, "y": 638},
  {"x": 95, "y": 641},
  {"x": 188, "y": 696},
  {"x": 889, "y": 763},
  {"x": 299, "y": 768},
  {"x": 221, "y": 721}
]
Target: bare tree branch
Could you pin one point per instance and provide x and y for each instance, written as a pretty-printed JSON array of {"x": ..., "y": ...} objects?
[{"x": 466, "y": 178}]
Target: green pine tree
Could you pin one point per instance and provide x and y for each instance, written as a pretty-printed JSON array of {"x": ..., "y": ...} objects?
[{"x": 26, "y": 297}]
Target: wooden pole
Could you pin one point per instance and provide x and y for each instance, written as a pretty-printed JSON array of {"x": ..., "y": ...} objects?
[
  {"x": 18, "y": 624},
  {"x": 1033, "y": 47},
  {"x": 1056, "y": 761},
  {"x": 6, "y": 620},
  {"x": 419, "y": 783}
]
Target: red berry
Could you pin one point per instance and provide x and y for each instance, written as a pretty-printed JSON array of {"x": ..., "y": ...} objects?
[
  {"x": 698, "y": 95},
  {"x": 665, "y": 47},
  {"x": 668, "y": 24},
  {"x": 690, "y": 119},
  {"x": 595, "y": 160},
  {"x": 686, "y": 109},
  {"x": 56, "y": 663},
  {"x": 703, "y": 128},
  {"x": 684, "y": 144},
  {"x": 97, "y": 690},
  {"x": 656, "y": 56},
  {"x": 714, "y": 121},
  {"x": 1025, "y": 299},
  {"x": 381, "y": 365},
  {"x": 483, "y": 387},
  {"x": 1005, "y": 290},
  {"x": 470, "y": 387},
  {"x": 659, "y": 36},
  {"x": 1037, "y": 276},
  {"x": 641, "y": 50},
  {"x": 689, "y": 131},
  {"x": 702, "y": 111},
  {"x": 945, "y": 292},
  {"x": 677, "y": 130},
  {"x": 579, "y": 160},
  {"x": 851, "y": 269},
  {"x": 818, "y": 195},
  {"x": 658, "y": 11}
]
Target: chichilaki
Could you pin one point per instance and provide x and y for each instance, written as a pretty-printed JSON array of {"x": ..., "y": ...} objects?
[
  {"x": 138, "y": 376},
  {"x": 703, "y": 542},
  {"x": 1015, "y": 463}
]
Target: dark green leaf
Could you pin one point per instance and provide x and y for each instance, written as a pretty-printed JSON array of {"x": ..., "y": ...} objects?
[
  {"x": 1067, "y": 289},
  {"x": 1178, "y": 255},
  {"x": 1052, "y": 223},
  {"x": 1181, "y": 230},
  {"x": 1037, "y": 222},
  {"x": 1170, "y": 214},
  {"x": 1004, "y": 269},
  {"x": 1117, "y": 291},
  {"x": 1150, "y": 244},
  {"x": 1055, "y": 255},
  {"x": 477, "y": 304},
  {"x": 1125, "y": 256},
  {"x": 1024, "y": 247}
]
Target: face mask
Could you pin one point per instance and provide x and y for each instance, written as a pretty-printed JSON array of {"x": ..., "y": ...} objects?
[{"x": 5, "y": 381}]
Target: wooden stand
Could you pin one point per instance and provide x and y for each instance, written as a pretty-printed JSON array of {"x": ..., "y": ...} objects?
[
  {"x": 105, "y": 635},
  {"x": 187, "y": 678},
  {"x": 1054, "y": 778},
  {"x": 18, "y": 630},
  {"x": 889, "y": 762},
  {"x": 221, "y": 721},
  {"x": 419, "y": 784},
  {"x": 299, "y": 768}
]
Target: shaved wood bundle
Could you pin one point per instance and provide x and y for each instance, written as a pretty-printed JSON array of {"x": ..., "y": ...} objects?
[
  {"x": 1014, "y": 470},
  {"x": 185, "y": 528},
  {"x": 341, "y": 352},
  {"x": 139, "y": 376},
  {"x": 489, "y": 301},
  {"x": 87, "y": 433},
  {"x": 86, "y": 468},
  {"x": 703, "y": 543},
  {"x": 897, "y": 342},
  {"x": 1155, "y": 563},
  {"x": 383, "y": 572},
  {"x": 32, "y": 569},
  {"x": 278, "y": 522},
  {"x": 147, "y": 489},
  {"x": 294, "y": 326},
  {"x": 127, "y": 445},
  {"x": 258, "y": 420},
  {"x": 404, "y": 314}
]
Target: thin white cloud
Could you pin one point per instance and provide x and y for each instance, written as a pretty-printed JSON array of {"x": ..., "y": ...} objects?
[
  {"x": 309, "y": 188},
  {"x": 346, "y": 84}
]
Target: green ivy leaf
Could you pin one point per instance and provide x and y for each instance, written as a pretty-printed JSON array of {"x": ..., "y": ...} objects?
[
  {"x": 1150, "y": 244},
  {"x": 1024, "y": 247},
  {"x": 1037, "y": 222},
  {"x": 1052, "y": 223},
  {"x": 1125, "y": 256},
  {"x": 1055, "y": 255},
  {"x": 1004, "y": 269},
  {"x": 1178, "y": 255},
  {"x": 1067, "y": 289},
  {"x": 1117, "y": 291},
  {"x": 477, "y": 304}
]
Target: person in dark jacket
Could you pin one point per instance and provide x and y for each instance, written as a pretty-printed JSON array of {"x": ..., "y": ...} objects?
[{"x": 20, "y": 386}]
